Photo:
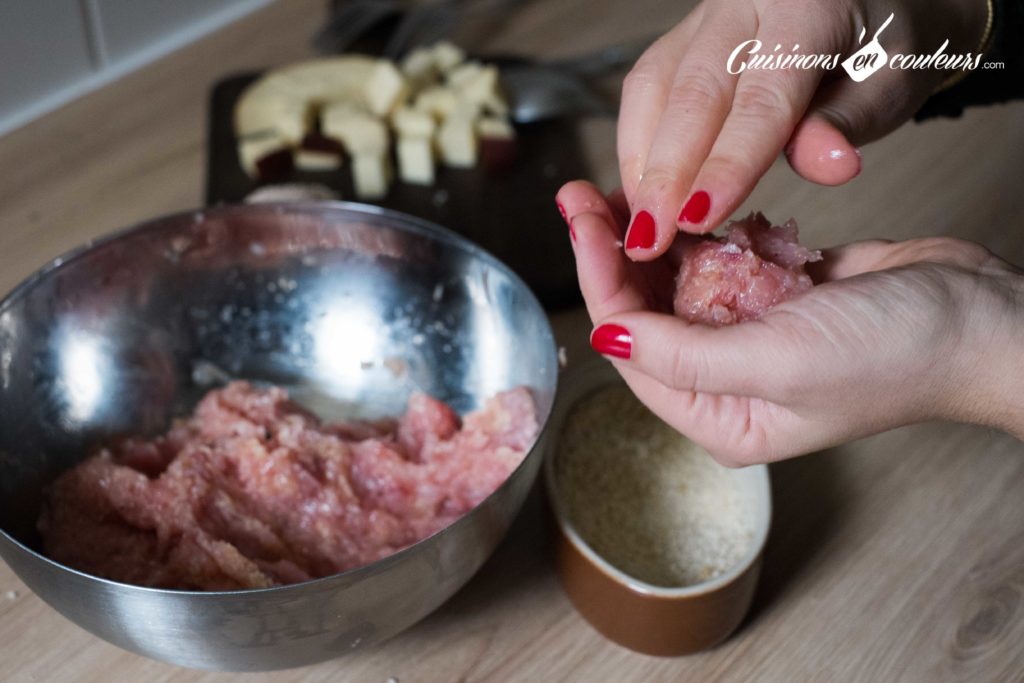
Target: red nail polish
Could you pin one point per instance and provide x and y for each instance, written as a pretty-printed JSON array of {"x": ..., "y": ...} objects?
[
  {"x": 696, "y": 207},
  {"x": 565, "y": 217},
  {"x": 641, "y": 233},
  {"x": 612, "y": 340}
]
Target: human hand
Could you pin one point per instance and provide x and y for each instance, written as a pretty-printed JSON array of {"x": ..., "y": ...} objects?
[
  {"x": 693, "y": 139},
  {"x": 895, "y": 333}
]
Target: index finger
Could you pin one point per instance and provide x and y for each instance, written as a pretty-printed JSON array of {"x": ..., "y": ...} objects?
[{"x": 645, "y": 93}]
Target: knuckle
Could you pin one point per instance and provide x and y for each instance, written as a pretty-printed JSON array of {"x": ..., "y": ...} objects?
[
  {"x": 697, "y": 93},
  {"x": 683, "y": 373},
  {"x": 731, "y": 168},
  {"x": 659, "y": 181},
  {"x": 644, "y": 75},
  {"x": 758, "y": 102}
]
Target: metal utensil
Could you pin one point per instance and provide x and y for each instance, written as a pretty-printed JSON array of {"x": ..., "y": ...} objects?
[
  {"x": 538, "y": 93},
  {"x": 562, "y": 88},
  {"x": 118, "y": 337},
  {"x": 604, "y": 60},
  {"x": 423, "y": 25},
  {"x": 352, "y": 19}
]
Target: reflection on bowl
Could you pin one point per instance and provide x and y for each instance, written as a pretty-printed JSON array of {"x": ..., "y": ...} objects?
[
  {"x": 660, "y": 594},
  {"x": 324, "y": 299}
]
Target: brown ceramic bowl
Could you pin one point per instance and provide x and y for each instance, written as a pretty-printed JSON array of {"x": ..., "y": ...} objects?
[{"x": 650, "y": 619}]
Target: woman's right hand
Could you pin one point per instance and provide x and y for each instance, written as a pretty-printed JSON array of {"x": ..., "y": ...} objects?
[{"x": 694, "y": 139}]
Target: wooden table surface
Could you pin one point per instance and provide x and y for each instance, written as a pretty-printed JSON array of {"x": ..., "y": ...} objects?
[{"x": 898, "y": 557}]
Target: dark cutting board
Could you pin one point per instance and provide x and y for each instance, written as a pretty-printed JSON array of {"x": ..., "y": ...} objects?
[{"x": 508, "y": 209}]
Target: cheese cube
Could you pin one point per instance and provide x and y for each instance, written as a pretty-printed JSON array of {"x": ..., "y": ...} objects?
[
  {"x": 496, "y": 128},
  {"x": 456, "y": 141},
  {"x": 447, "y": 56},
  {"x": 385, "y": 88},
  {"x": 419, "y": 69},
  {"x": 437, "y": 100},
  {"x": 416, "y": 160},
  {"x": 483, "y": 88},
  {"x": 462, "y": 74},
  {"x": 358, "y": 130},
  {"x": 264, "y": 108},
  {"x": 371, "y": 175},
  {"x": 316, "y": 160},
  {"x": 411, "y": 122}
]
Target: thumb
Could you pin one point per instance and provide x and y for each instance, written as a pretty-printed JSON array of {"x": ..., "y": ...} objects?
[
  {"x": 820, "y": 152},
  {"x": 845, "y": 114}
]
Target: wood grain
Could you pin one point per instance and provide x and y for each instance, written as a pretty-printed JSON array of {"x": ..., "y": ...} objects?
[{"x": 895, "y": 558}]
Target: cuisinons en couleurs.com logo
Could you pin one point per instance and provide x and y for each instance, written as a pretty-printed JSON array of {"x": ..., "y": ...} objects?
[{"x": 859, "y": 66}]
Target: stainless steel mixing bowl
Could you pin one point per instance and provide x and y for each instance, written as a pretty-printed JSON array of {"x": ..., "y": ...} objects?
[{"x": 347, "y": 305}]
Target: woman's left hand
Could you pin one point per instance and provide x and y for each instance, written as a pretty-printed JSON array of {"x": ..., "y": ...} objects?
[{"x": 896, "y": 332}]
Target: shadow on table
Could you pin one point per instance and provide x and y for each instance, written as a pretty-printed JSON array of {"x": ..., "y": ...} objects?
[
  {"x": 807, "y": 504},
  {"x": 807, "y": 511}
]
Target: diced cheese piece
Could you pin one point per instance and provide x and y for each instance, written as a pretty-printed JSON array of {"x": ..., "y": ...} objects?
[
  {"x": 438, "y": 100},
  {"x": 358, "y": 130},
  {"x": 317, "y": 160},
  {"x": 385, "y": 88},
  {"x": 463, "y": 73},
  {"x": 371, "y": 174},
  {"x": 416, "y": 160},
  {"x": 289, "y": 118},
  {"x": 325, "y": 79},
  {"x": 466, "y": 109},
  {"x": 457, "y": 142},
  {"x": 285, "y": 99},
  {"x": 419, "y": 69},
  {"x": 413, "y": 122},
  {"x": 495, "y": 127},
  {"x": 255, "y": 147},
  {"x": 484, "y": 88},
  {"x": 495, "y": 103},
  {"x": 447, "y": 56}
]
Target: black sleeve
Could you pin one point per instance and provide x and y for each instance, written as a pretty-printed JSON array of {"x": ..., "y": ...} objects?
[{"x": 988, "y": 86}]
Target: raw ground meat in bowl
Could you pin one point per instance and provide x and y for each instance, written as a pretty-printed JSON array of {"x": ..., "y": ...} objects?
[
  {"x": 356, "y": 311},
  {"x": 252, "y": 491}
]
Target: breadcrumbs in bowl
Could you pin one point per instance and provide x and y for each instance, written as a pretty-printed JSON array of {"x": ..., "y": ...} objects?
[
  {"x": 646, "y": 498},
  {"x": 657, "y": 545}
]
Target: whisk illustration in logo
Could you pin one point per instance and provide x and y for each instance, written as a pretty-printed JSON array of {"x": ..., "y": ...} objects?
[{"x": 869, "y": 58}]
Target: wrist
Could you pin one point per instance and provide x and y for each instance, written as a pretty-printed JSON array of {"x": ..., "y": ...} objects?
[{"x": 987, "y": 387}]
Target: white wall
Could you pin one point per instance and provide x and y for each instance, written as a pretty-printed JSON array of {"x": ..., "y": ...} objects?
[{"x": 52, "y": 51}]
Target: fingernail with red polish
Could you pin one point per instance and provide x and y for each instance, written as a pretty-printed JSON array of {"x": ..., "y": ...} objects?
[
  {"x": 696, "y": 207},
  {"x": 641, "y": 233},
  {"x": 612, "y": 340},
  {"x": 565, "y": 217}
]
